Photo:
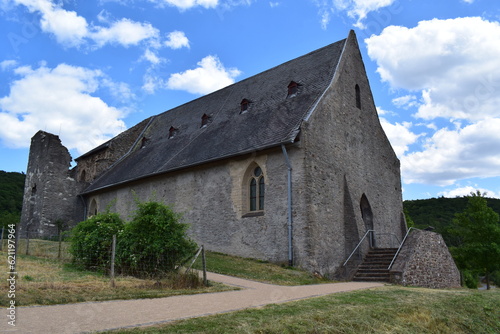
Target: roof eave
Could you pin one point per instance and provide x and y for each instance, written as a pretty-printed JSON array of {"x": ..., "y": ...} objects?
[{"x": 228, "y": 156}]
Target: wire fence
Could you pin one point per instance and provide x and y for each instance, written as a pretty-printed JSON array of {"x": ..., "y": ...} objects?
[{"x": 105, "y": 262}]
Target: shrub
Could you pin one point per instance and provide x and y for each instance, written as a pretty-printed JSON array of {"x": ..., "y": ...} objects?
[
  {"x": 154, "y": 242},
  {"x": 92, "y": 239}
]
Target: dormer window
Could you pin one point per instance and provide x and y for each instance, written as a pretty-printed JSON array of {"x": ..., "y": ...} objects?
[
  {"x": 244, "y": 106},
  {"x": 205, "y": 119},
  {"x": 293, "y": 89},
  {"x": 172, "y": 132},
  {"x": 144, "y": 141}
]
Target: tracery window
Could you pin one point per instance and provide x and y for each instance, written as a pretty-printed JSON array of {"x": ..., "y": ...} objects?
[{"x": 257, "y": 190}]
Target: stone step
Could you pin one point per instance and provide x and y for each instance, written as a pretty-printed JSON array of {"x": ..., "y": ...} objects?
[{"x": 374, "y": 265}]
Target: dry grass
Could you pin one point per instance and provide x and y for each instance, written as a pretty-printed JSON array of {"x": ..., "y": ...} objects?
[{"x": 45, "y": 280}]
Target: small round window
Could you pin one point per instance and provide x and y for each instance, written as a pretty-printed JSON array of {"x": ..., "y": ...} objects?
[{"x": 257, "y": 171}]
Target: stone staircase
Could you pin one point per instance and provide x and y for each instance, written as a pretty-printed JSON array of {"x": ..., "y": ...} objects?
[{"x": 374, "y": 266}]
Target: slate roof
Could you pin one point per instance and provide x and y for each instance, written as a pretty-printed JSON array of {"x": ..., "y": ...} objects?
[{"x": 272, "y": 119}]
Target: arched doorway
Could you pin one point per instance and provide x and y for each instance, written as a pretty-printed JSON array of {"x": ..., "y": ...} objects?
[
  {"x": 367, "y": 215},
  {"x": 92, "y": 208}
]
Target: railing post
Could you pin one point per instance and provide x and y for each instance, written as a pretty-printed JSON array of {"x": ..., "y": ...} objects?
[{"x": 204, "y": 264}]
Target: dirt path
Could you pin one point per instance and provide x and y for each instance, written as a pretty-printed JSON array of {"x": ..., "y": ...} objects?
[{"x": 100, "y": 316}]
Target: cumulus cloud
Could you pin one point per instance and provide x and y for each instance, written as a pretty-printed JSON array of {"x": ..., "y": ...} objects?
[
  {"x": 209, "y": 76},
  {"x": 68, "y": 28},
  {"x": 452, "y": 155},
  {"x": 400, "y": 135},
  {"x": 177, "y": 40},
  {"x": 124, "y": 32},
  {"x": 466, "y": 191},
  {"x": 446, "y": 71},
  {"x": 72, "y": 30},
  {"x": 59, "y": 100},
  {"x": 452, "y": 63}
]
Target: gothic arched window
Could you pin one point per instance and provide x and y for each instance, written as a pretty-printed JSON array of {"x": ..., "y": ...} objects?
[{"x": 257, "y": 190}]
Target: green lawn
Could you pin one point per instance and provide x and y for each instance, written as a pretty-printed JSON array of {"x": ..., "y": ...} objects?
[
  {"x": 258, "y": 270},
  {"x": 384, "y": 310}
]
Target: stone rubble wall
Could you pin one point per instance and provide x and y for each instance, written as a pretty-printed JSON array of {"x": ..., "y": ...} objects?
[{"x": 425, "y": 261}]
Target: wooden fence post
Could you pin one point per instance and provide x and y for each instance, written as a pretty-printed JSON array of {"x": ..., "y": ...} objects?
[
  {"x": 204, "y": 264},
  {"x": 113, "y": 249}
]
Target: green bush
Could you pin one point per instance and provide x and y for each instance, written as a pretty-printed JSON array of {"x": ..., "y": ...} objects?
[
  {"x": 470, "y": 279},
  {"x": 154, "y": 242},
  {"x": 91, "y": 240}
]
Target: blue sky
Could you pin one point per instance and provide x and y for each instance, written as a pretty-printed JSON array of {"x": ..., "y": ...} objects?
[{"x": 87, "y": 70}]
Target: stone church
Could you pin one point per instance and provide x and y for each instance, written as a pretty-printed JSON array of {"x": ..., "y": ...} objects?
[{"x": 290, "y": 165}]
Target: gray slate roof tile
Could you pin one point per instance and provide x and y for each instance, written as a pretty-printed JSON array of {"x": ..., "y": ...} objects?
[{"x": 271, "y": 120}]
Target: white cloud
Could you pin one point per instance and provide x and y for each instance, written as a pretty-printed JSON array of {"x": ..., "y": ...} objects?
[
  {"x": 451, "y": 155},
  {"x": 177, "y": 40},
  {"x": 466, "y": 191},
  {"x": 399, "y": 135},
  {"x": 68, "y": 28},
  {"x": 455, "y": 64},
  {"x": 124, "y": 32},
  {"x": 72, "y": 30},
  {"x": 356, "y": 9},
  {"x": 187, "y": 4},
  {"x": 406, "y": 101},
  {"x": 7, "y": 64},
  {"x": 210, "y": 75},
  {"x": 152, "y": 57},
  {"x": 59, "y": 100}
]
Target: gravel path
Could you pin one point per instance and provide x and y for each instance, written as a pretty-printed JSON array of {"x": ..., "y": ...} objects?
[{"x": 100, "y": 316}]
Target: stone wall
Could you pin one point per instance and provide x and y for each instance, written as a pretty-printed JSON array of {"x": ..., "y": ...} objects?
[
  {"x": 424, "y": 260},
  {"x": 50, "y": 190},
  {"x": 213, "y": 201},
  {"x": 93, "y": 163},
  {"x": 352, "y": 172}
]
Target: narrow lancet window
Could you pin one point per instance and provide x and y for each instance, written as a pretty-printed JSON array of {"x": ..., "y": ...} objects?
[
  {"x": 257, "y": 190},
  {"x": 358, "y": 97}
]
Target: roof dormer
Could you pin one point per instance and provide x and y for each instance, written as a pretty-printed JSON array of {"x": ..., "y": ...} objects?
[
  {"x": 205, "y": 120},
  {"x": 172, "y": 132},
  {"x": 293, "y": 89},
  {"x": 244, "y": 104}
]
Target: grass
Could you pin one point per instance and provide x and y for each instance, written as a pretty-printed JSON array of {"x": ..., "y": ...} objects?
[
  {"x": 47, "y": 281},
  {"x": 258, "y": 270},
  {"x": 391, "y": 309},
  {"x": 43, "y": 279}
]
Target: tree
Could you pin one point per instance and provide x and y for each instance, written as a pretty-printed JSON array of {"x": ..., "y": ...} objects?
[
  {"x": 478, "y": 232},
  {"x": 154, "y": 242}
]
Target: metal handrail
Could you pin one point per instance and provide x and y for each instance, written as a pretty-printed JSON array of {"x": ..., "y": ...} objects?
[
  {"x": 400, "y": 246},
  {"x": 359, "y": 244}
]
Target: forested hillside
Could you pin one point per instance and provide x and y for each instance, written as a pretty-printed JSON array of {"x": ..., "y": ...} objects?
[
  {"x": 11, "y": 196},
  {"x": 439, "y": 213}
]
